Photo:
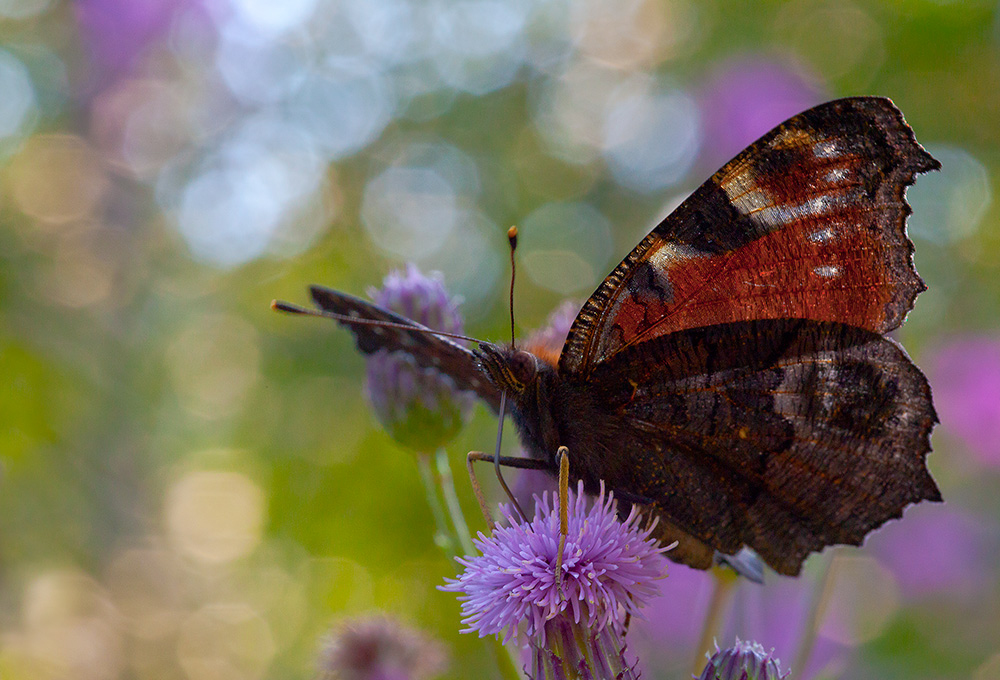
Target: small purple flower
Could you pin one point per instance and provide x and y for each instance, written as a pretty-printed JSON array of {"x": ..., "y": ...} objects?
[
  {"x": 743, "y": 661},
  {"x": 379, "y": 648},
  {"x": 420, "y": 407},
  {"x": 609, "y": 570}
]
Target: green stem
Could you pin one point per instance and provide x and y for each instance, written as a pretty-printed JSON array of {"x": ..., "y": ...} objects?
[
  {"x": 723, "y": 585},
  {"x": 506, "y": 657},
  {"x": 451, "y": 500},
  {"x": 441, "y": 533},
  {"x": 817, "y": 609},
  {"x": 507, "y": 660}
]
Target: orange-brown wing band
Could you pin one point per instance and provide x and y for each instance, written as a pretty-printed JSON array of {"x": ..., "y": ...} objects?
[{"x": 808, "y": 222}]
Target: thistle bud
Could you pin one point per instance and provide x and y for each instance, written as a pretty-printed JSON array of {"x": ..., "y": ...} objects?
[
  {"x": 420, "y": 407},
  {"x": 742, "y": 661}
]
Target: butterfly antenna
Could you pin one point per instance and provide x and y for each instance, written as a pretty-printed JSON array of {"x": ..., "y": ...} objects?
[
  {"x": 289, "y": 308},
  {"x": 563, "y": 455},
  {"x": 512, "y": 240}
]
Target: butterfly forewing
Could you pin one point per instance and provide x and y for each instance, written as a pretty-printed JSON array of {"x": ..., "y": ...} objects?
[
  {"x": 427, "y": 349},
  {"x": 808, "y": 222},
  {"x": 782, "y": 435}
]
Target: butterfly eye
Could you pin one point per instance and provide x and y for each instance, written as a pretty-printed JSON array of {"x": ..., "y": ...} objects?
[{"x": 523, "y": 367}]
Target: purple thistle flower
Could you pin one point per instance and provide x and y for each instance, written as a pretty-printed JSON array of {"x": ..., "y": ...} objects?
[
  {"x": 379, "y": 648},
  {"x": 742, "y": 661},
  {"x": 420, "y": 407},
  {"x": 609, "y": 570}
]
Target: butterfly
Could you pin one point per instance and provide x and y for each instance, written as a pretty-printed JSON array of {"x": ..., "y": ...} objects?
[{"x": 732, "y": 376}]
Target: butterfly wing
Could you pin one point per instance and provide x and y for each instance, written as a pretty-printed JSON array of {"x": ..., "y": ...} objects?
[
  {"x": 428, "y": 350},
  {"x": 808, "y": 222},
  {"x": 782, "y": 435}
]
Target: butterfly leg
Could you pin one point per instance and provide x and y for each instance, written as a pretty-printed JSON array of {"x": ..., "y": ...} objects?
[{"x": 505, "y": 461}]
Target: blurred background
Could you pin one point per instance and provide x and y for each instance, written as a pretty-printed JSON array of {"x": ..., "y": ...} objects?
[{"x": 193, "y": 487}]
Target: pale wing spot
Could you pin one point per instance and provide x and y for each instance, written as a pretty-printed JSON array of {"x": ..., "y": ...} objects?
[
  {"x": 353, "y": 313},
  {"x": 823, "y": 235},
  {"x": 752, "y": 201},
  {"x": 827, "y": 271},
  {"x": 836, "y": 175},
  {"x": 827, "y": 149},
  {"x": 378, "y": 330},
  {"x": 669, "y": 254},
  {"x": 786, "y": 214},
  {"x": 739, "y": 184},
  {"x": 789, "y": 138}
]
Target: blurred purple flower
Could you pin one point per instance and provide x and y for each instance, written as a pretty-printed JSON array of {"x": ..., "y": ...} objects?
[
  {"x": 379, "y": 648},
  {"x": 419, "y": 297},
  {"x": 420, "y": 407},
  {"x": 965, "y": 377},
  {"x": 669, "y": 627},
  {"x": 743, "y": 661},
  {"x": 775, "y": 612},
  {"x": 937, "y": 550},
  {"x": 778, "y": 613},
  {"x": 609, "y": 570},
  {"x": 746, "y": 97},
  {"x": 117, "y": 32},
  {"x": 530, "y": 485},
  {"x": 548, "y": 340}
]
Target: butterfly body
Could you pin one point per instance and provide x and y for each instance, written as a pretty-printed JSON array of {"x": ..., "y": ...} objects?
[{"x": 732, "y": 376}]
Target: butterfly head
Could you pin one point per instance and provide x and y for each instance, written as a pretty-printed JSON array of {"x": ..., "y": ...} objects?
[{"x": 509, "y": 368}]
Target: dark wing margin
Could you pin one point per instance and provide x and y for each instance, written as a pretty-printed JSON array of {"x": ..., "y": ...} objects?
[
  {"x": 785, "y": 436},
  {"x": 420, "y": 343},
  {"x": 808, "y": 222}
]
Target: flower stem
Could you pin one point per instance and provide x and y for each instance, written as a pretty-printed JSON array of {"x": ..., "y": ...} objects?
[
  {"x": 506, "y": 660},
  {"x": 817, "y": 609},
  {"x": 722, "y": 588},
  {"x": 442, "y": 536},
  {"x": 506, "y": 657},
  {"x": 447, "y": 484}
]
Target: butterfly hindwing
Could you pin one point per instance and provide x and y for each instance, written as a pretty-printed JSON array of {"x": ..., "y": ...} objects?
[
  {"x": 808, "y": 222},
  {"x": 426, "y": 349},
  {"x": 782, "y": 435}
]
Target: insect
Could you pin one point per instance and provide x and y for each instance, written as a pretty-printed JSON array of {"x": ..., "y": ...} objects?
[{"x": 732, "y": 376}]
